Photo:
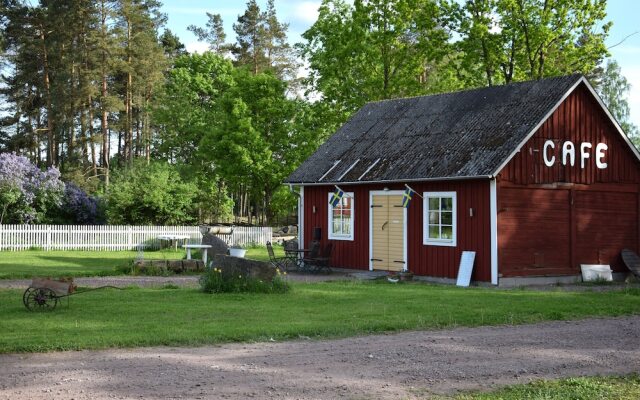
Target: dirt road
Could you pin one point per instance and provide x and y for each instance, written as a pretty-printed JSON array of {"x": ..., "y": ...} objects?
[{"x": 404, "y": 365}]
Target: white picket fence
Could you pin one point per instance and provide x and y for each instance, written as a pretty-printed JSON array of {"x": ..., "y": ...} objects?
[{"x": 112, "y": 237}]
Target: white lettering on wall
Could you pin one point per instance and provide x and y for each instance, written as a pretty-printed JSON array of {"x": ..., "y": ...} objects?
[
  {"x": 584, "y": 154},
  {"x": 568, "y": 149},
  {"x": 548, "y": 162},
  {"x": 600, "y": 149},
  {"x": 568, "y": 155}
]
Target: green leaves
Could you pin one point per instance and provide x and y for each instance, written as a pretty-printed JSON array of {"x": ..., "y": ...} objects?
[{"x": 150, "y": 194}]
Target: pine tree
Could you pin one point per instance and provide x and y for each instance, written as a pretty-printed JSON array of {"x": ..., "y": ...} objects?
[{"x": 213, "y": 33}]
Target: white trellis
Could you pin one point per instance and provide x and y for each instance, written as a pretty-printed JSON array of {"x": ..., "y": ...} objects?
[{"x": 112, "y": 237}]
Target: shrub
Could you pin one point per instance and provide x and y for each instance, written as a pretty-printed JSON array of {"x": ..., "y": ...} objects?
[
  {"x": 81, "y": 208},
  {"x": 215, "y": 281},
  {"x": 153, "y": 194},
  {"x": 26, "y": 192}
]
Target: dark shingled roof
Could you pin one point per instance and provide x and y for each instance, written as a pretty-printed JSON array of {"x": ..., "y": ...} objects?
[{"x": 453, "y": 135}]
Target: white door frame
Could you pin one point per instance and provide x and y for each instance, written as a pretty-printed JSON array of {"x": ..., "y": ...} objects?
[{"x": 404, "y": 233}]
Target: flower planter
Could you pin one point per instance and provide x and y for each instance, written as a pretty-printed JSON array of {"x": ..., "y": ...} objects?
[{"x": 237, "y": 252}]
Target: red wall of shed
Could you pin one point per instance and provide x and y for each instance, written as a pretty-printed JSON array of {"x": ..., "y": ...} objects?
[
  {"x": 552, "y": 219},
  {"x": 473, "y": 232}
]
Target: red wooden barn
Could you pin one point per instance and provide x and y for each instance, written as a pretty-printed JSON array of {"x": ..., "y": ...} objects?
[{"x": 535, "y": 177}]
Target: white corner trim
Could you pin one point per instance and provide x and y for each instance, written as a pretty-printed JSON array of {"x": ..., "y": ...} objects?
[
  {"x": 404, "y": 233},
  {"x": 493, "y": 210},
  {"x": 301, "y": 219}
]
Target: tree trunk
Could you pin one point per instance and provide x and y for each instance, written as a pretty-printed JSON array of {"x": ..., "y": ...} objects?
[
  {"x": 51, "y": 144},
  {"x": 92, "y": 143},
  {"x": 104, "y": 117}
]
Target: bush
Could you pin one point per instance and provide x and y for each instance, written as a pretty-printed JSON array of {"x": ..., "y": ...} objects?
[
  {"x": 27, "y": 194},
  {"x": 81, "y": 208},
  {"x": 151, "y": 194},
  {"x": 215, "y": 281}
]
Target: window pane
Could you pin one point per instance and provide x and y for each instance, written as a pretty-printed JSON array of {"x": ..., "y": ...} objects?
[
  {"x": 434, "y": 232},
  {"x": 447, "y": 204},
  {"x": 337, "y": 214},
  {"x": 447, "y": 218},
  {"x": 434, "y": 217},
  {"x": 346, "y": 226},
  {"x": 447, "y": 232},
  {"x": 434, "y": 203},
  {"x": 336, "y": 226}
]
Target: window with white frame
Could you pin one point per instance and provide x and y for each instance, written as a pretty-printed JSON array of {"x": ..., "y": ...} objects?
[
  {"x": 341, "y": 218},
  {"x": 439, "y": 218}
]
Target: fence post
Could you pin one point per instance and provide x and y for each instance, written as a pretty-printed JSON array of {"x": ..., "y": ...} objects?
[
  {"x": 48, "y": 245},
  {"x": 130, "y": 238}
]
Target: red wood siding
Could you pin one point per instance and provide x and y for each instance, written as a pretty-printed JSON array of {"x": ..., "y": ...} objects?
[
  {"x": 473, "y": 232},
  {"x": 552, "y": 219},
  {"x": 578, "y": 119}
]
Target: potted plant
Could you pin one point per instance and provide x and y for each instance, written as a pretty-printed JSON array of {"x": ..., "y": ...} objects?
[{"x": 237, "y": 250}]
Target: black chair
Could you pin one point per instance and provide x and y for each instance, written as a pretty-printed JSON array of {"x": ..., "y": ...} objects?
[
  {"x": 312, "y": 254},
  {"x": 323, "y": 264},
  {"x": 279, "y": 262}
]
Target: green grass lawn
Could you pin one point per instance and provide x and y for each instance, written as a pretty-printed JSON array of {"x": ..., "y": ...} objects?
[
  {"x": 146, "y": 317},
  {"x": 29, "y": 263},
  {"x": 601, "y": 388}
]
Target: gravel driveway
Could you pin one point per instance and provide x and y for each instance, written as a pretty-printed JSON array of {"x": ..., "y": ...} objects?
[{"x": 404, "y": 365}]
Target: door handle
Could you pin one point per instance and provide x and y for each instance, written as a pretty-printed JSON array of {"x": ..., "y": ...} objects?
[{"x": 385, "y": 224}]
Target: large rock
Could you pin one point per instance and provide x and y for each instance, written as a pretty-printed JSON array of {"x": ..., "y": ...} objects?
[
  {"x": 218, "y": 246},
  {"x": 242, "y": 266}
]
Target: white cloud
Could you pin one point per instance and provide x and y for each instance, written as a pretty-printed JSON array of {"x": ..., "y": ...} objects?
[
  {"x": 197, "y": 47},
  {"x": 304, "y": 12},
  {"x": 186, "y": 10}
]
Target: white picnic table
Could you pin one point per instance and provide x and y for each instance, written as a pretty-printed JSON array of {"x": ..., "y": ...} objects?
[
  {"x": 204, "y": 247},
  {"x": 173, "y": 239}
]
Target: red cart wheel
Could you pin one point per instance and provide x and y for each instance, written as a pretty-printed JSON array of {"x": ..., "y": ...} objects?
[{"x": 39, "y": 299}]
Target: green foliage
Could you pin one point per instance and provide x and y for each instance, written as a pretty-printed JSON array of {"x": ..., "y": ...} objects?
[
  {"x": 501, "y": 41},
  {"x": 215, "y": 280},
  {"x": 151, "y": 194},
  {"x": 213, "y": 34},
  {"x": 613, "y": 89},
  {"x": 373, "y": 50},
  {"x": 258, "y": 140},
  {"x": 588, "y": 388}
]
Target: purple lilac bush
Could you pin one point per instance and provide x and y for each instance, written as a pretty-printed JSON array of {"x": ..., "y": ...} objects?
[
  {"x": 80, "y": 207},
  {"x": 26, "y": 192}
]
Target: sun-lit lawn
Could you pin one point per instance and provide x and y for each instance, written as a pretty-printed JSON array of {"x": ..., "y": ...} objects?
[
  {"x": 29, "y": 263},
  {"x": 588, "y": 388},
  {"x": 146, "y": 317}
]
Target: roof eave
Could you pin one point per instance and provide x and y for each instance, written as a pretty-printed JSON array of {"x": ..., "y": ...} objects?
[{"x": 455, "y": 178}]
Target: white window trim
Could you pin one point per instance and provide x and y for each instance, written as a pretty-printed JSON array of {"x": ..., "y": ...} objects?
[
  {"x": 333, "y": 236},
  {"x": 425, "y": 222}
]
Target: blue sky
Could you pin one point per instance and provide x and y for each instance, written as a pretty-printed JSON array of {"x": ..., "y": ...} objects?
[{"x": 300, "y": 14}]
